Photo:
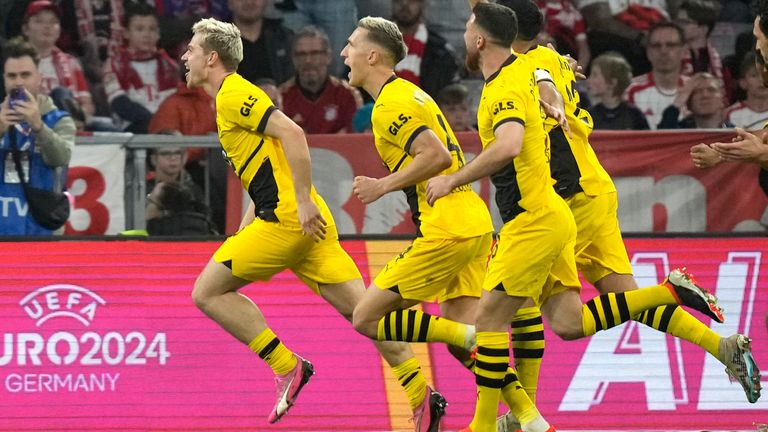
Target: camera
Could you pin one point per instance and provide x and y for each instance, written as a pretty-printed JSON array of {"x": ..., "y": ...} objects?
[{"x": 16, "y": 94}]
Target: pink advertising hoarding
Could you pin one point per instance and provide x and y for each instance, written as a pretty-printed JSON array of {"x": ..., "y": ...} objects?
[{"x": 103, "y": 335}]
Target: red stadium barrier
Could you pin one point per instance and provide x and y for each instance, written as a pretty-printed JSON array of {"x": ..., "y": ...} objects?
[
  {"x": 103, "y": 335},
  {"x": 659, "y": 188}
]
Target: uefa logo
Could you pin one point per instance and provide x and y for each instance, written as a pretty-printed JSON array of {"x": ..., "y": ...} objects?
[
  {"x": 62, "y": 300},
  {"x": 73, "y": 361}
]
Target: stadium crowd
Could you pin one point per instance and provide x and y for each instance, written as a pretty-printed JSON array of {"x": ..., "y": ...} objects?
[{"x": 114, "y": 66}]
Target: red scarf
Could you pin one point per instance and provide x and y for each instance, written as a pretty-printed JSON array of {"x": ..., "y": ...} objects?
[
  {"x": 410, "y": 67},
  {"x": 63, "y": 66},
  {"x": 640, "y": 17},
  {"x": 84, "y": 12},
  {"x": 167, "y": 69}
]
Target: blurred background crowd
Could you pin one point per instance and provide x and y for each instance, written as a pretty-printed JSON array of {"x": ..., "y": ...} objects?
[{"x": 114, "y": 65}]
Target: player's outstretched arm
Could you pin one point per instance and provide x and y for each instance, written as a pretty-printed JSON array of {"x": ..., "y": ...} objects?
[
  {"x": 296, "y": 150},
  {"x": 508, "y": 143}
]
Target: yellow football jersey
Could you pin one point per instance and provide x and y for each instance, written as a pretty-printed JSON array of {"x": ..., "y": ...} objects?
[
  {"x": 401, "y": 112},
  {"x": 242, "y": 112},
  {"x": 575, "y": 166},
  {"x": 511, "y": 94}
]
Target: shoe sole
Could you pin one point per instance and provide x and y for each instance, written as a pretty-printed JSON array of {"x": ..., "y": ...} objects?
[
  {"x": 437, "y": 404},
  {"x": 752, "y": 387},
  {"x": 307, "y": 371},
  {"x": 714, "y": 311}
]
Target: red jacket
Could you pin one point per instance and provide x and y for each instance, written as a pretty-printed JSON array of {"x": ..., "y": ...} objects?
[{"x": 189, "y": 111}]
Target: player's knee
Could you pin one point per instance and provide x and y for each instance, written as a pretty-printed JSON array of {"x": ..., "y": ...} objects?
[
  {"x": 199, "y": 296},
  {"x": 363, "y": 325},
  {"x": 567, "y": 330}
]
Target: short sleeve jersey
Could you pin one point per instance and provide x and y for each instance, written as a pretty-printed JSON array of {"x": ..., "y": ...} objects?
[
  {"x": 511, "y": 95},
  {"x": 402, "y": 112},
  {"x": 242, "y": 112},
  {"x": 575, "y": 162}
]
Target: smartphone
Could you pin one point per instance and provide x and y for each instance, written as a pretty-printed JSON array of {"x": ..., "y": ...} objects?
[{"x": 16, "y": 94}]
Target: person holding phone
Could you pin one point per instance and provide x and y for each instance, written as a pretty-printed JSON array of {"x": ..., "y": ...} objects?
[{"x": 42, "y": 135}]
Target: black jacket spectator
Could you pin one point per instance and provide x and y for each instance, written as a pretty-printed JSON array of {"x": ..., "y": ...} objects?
[
  {"x": 273, "y": 44},
  {"x": 438, "y": 65},
  {"x": 623, "y": 117}
]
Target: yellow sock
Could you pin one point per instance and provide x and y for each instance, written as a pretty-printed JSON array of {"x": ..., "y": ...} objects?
[
  {"x": 528, "y": 348},
  {"x": 410, "y": 325},
  {"x": 272, "y": 351},
  {"x": 516, "y": 398},
  {"x": 491, "y": 366},
  {"x": 679, "y": 323},
  {"x": 409, "y": 375},
  {"x": 610, "y": 310}
]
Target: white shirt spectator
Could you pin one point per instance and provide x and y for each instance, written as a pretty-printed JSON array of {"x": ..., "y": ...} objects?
[
  {"x": 740, "y": 115},
  {"x": 619, "y": 6},
  {"x": 649, "y": 98}
]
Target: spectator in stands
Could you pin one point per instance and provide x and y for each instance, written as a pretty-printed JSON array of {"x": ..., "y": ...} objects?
[
  {"x": 62, "y": 74},
  {"x": 266, "y": 42},
  {"x": 140, "y": 76},
  {"x": 620, "y": 25},
  {"x": 44, "y": 135},
  {"x": 744, "y": 44},
  {"x": 100, "y": 33},
  {"x": 317, "y": 102},
  {"x": 429, "y": 55},
  {"x": 752, "y": 112},
  {"x": 566, "y": 26},
  {"x": 448, "y": 18},
  {"x": 167, "y": 165},
  {"x": 187, "y": 112},
  {"x": 177, "y": 17},
  {"x": 609, "y": 78},
  {"x": 269, "y": 86},
  {"x": 697, "y": 18},
  {"x": 172, "y": 210},
  {"x": 453, "y": 101},
  {"x": 703, "y": 98},
  {"x": 337, "y": 18},
  {"x": 746, "y": 147},
  {"x": 654, "y": 91}
]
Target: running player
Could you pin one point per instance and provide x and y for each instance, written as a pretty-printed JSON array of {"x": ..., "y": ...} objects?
[
  {"x": 447, "y": 259},
  {"x": 588, "y": 190},
  {"x": 534, "y": 255},
  {"x": 287, "y": 225}
]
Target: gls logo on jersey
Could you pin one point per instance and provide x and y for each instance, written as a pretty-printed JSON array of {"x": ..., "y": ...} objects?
[
  {"x": 71, "y": 354},
  {"x": 394, "y": 128},
  {"x": 503, "y": 106},
  {"x": 245, "y": 110}
]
